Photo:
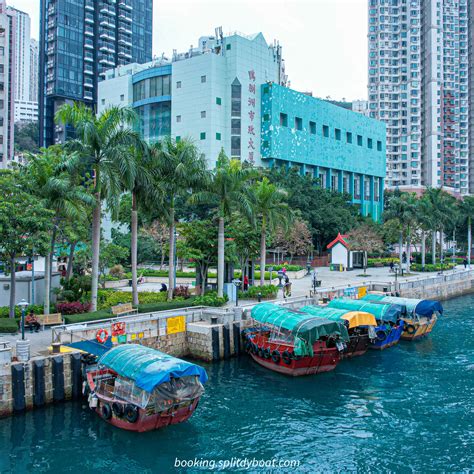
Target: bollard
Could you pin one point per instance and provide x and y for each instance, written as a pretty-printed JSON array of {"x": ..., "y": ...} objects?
[
  {"x": 56, "y": 347},
  {"x": 213, "y": 319},
  {"x": 23, "y": 350},
  {"x": 259, "y": 296}
]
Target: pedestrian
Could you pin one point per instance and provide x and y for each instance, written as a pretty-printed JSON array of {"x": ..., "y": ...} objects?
[
  {"x": 465, "y": 263},
  {"x": 392, "y": 266},
  {"x": 32, "y": 322},
  {"x": 287, "y": 289},
  {"x": 246, "y": 283},
  {"x": 163, "y": 288}
]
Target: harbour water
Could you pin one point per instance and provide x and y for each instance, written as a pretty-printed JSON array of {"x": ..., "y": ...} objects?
[{"x": 407, "y": 409}]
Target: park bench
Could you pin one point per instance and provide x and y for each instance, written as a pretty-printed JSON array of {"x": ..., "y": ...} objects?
[
  {"x": 125, "y": 308},
  {"x": 50, "y": 319}
]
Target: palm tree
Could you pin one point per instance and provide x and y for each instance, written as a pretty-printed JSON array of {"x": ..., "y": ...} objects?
[
  {"x": 270, "y": 207},
  {"x": 467, "y": 211},
  {"x": 227, "y": 191},
  {"x": 178, "y": 168},
  {"x": 443, "y": 211},
  {"x": 62, "y": 193},
  {"x": 101, "y": 144},
  {"x": 425, "y": 221}
]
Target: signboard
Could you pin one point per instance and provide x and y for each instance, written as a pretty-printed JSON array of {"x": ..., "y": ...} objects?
[
  {"x": 177, "y": 324},
  {"x": 350, "y": 292},
  {"x": 361, "y": 292},
  {"x": 118, "y": 329}
]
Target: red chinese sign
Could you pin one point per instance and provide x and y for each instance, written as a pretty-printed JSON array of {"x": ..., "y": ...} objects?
[{"x": 118, "y": 329}]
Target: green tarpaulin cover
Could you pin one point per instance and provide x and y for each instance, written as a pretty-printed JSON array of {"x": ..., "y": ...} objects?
[
  {"x": 382, "y": 312},
  {"x": 305, "y": 328},
  {"x": 413, "y": 306}
]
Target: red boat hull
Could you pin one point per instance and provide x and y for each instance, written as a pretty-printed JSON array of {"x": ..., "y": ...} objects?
[
  {"x": 324, "y": 359},
  {"x": 150, "y": 422},
  {"x": 357, "y": 346}
]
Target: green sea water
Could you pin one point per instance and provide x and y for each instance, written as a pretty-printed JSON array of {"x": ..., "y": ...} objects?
[{"x": 406, "y": 409}]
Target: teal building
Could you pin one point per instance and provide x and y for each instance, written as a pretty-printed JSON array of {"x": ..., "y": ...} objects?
[{"x": 343, "y": 149}]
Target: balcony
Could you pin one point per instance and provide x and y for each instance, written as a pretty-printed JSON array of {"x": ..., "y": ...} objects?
[
  {"x": 89, "y": 5},
  {"x": 125, "y": 42},
  {"x": 125, "y": 30},
  {"x": 124, "y": 17},
  {"x": 89, "y": 18},
  {"x": 123, "y": 4}
]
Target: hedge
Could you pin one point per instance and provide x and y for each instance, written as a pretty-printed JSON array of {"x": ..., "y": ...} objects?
[
  {"x": 37, "y": 309},
  {"x": 267, "y": 291},
  {"x": 431, "y": 268},
  {"x": 109, "y": 298},
  {"x": 8, "y": 325}
]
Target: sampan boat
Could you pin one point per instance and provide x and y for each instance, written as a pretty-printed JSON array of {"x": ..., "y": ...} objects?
[
  {"x": 419, "y": 316},
  {"x": 360, "y": 325},
  {"x": 137, "y": 388},
  {"x": 388, "y": 315},
  {"x": 292, "y": 342}
]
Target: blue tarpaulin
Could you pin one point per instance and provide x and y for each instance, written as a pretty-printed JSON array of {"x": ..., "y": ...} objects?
[
  {"x": 148, "y": 367},
  {"x": 413, "y": 306}
]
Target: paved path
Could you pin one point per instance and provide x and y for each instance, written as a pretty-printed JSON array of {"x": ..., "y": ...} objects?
[{"x": 39, "y": 342}]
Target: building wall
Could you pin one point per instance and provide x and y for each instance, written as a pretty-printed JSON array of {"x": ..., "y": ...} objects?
[
  {"x": 345, "y": 150},
  {"x": 34, "y": 71},
  {"x": 22, "y": 54},
  {"x": 26, "y": 111}
]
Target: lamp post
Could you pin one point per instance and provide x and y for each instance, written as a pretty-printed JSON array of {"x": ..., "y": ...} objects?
[
  {"x": 176, "y": 235},
  {"x": 237, "y": 283},
  {"x": 23, "y": 304}
]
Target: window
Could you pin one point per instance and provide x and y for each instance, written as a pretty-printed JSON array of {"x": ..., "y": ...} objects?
[
  {"x": 357, "y": 187},
  {"x": 325, "y": 131},
  {"x": 218, "y": 136},
  {"x": 235, "y": 146},
  {"x": 312, "y": 128},
  {"x": 359, "y": 140},
  {"x": 228, "y": 47},
  {"x": 369, "y": 143},
  {"x": 203, "y": 79},
  {"x": 266, "y": 89},
  {"x": 178, "y": 139},
  {"x": 366, "y": 189},
  {"x": 334, "y": 183},
  {"x": 122, "y": 97},
  {"x": 218, "y": 101},
  {"x": 203, "y": 114},
  {"x": 266, "y": 118},
  {"x": 203, "y": 136},
  {"x": 349, "y": 137},
  {"x": 379, "y": 145},
  {"x": 178, "y": 85},
  {"x": 235, "y": 126},
  {"x": 178, "y": 118},
  {"x": 284, "y": 120},
  {"x": 103, "y": 101},
  {"x": 337, "y": 134},
  {"x": 236, "y": 98},
  {"x": 298, "y": 123}
]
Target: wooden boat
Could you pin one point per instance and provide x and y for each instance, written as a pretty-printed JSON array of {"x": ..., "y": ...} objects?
[
  {"x": 361, "y": 327},
  {"x": 137, "y": 388},
  {"x": 388, "y": 316},
  {"x": 292, "y": 342},
  {"x": 419, "y": 316}
]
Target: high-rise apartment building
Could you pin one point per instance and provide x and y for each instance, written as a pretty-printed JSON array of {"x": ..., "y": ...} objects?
[
  {"x": 34, "y": 70},
  {"x": 79, "y": 40},
  {"x": 22, "y": 54},
  {"x": 7, "y": 83},
  {"x": 419, "y": 86}
]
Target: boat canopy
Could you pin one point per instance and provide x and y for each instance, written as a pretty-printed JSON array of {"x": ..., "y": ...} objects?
[
  {"x": 413, "y": 306},
  {"x": 354, "y": 318},
  {"x": 148, "y": 367},
  {"x": 304, "y": 327},
  {"x": 382, "y": 311}
]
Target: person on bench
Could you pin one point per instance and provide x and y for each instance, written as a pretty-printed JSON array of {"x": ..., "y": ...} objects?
[{"x": 32, "y": 322}]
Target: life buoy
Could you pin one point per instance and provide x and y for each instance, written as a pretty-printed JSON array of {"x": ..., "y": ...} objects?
[
  {"x": 286, "y": 356},
  {"x": 102, "y": 335},
  {"x": 106, "y": 411},
  {"x": 381, "y": 335},
  {"x": 131, "y": 413},
  {"x": 410, "y": 329},
  {"x": 266, "y": 353},
  {"x": 276, "y": 357},
  {"x": 118, "y": 409}
]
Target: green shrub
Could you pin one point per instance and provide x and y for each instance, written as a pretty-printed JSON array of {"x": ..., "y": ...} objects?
[
  {"x": 276, "y": 268},
  {"x": 84, "y": 317},
  {"x": 37, "y": 309},
  {"x": 267, "y": 292},
  {"x": 109, "y": 298},
  {"x": 372, "y": 262},
  {"x": 8, "y": 325},
  {"x": 210, "y": 299},
  {"x": 431, "y": 268},
  {"x": 175, "y": 304}
]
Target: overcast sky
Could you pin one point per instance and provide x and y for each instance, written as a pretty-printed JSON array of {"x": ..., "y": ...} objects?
[{"x": 324, "y": 41}]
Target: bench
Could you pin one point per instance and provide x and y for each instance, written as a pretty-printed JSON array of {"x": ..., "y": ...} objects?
[
  {"x": 125, "y": 308},
  {"x": 50, "y": 319}
]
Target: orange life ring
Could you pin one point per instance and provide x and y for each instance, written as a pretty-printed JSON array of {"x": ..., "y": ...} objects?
[{"x": 102, "y": 335}]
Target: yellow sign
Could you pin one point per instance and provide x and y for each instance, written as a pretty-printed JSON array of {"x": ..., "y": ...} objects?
[
  {"x": 177, "y": 324},
  {"x": 140, "y": 335},
  {"x": 133, "y": 337},
  {"x": 361, "y": 292}
]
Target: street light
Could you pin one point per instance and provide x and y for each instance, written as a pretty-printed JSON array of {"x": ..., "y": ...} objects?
[
  {"x": 237, "y": 283},
  {"x": 23, "y": 304}
]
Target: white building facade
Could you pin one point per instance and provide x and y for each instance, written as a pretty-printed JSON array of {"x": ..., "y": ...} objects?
[{"x": 419, "y": 86}]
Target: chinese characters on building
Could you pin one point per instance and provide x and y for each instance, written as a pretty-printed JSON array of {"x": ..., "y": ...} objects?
[{"x": 251, "y": 113}]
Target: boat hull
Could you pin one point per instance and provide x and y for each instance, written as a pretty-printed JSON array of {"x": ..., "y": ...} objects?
[
  {"x": 416, "y": 329},
  {"x": 392, "y": 337},
  {"x": 357, "y": 346},
  {"x": 147, "y": 421}
]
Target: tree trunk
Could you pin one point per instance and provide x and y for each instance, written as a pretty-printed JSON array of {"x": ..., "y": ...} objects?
[
  {"x": 433, "y": 247},
  {"x": 220, "y": 259},
  {"x": 12, "y": 287},
  {"x": 162, "y": 251},
  {"x": 423, "y": 249},
  {"x": 96, "y": 221},
  {"x": 408, "y": 250},
  {"x": 263, "y": 252},
  {"x": 441, "y": 245},
  {"x": 469, "y": 241},
  {"x": 400, "y": 248},
  {"x": 171, "y": 256},
  {"x": 70, "y": 260},
  {"x": 134, "y": 249},
  {"x": 47, "y": 283}
]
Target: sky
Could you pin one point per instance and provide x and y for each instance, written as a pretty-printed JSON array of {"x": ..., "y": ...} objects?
[{"x": 324, "y": 41}]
